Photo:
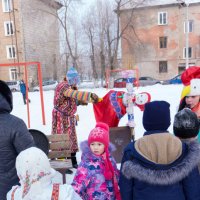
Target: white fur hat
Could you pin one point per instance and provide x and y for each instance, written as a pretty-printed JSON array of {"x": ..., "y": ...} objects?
[{"x": 194, "y": 87}]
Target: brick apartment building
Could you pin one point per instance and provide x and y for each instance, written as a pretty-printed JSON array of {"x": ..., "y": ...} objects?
[
  {"x": 29, "y": 33},
  {"x": 155, "y": 41}
]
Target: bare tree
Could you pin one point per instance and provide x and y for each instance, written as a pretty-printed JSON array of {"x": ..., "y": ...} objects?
[
  {"x": 69, "y": 30},
  {"x": 89, "y": 27},
  {"x": 102, "y": 27}
]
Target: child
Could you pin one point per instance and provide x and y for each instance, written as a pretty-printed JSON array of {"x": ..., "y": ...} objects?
[
  {"x": 35, "y": 174},
  {"x": 186, "y": 125},
  {"x": 190, "y": 96},
  {"x": 97, "y": 174},
  {"x": 158, "y": 165}
]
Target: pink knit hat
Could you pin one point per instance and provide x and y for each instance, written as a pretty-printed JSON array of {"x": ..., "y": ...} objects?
[{"x": 100, "y": 134}]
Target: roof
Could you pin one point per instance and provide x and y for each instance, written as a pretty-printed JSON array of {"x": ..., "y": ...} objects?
[{"x": 151, "y": 3}]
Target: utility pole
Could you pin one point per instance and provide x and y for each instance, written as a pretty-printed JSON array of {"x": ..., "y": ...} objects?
[
  {"x": 187, "y": 37},
  {"x": 186, "y": 5}
]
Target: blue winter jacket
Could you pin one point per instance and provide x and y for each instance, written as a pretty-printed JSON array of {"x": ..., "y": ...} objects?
[
  {"x": 14, "y": 138},
  {"x": 22, "y": 87},
  {"x": 160, "y": 167}
]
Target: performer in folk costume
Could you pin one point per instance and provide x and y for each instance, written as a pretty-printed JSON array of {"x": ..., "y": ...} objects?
[
  {"x": 97, "y": 174},
  {"x": 190, "y": 97},
  {"x": 66, "y": 99}
]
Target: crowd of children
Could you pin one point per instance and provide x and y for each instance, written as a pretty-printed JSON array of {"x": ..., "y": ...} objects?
[{"x": 160, "y": 165}]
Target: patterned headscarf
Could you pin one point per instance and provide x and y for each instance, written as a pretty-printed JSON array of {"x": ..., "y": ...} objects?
[
  {"x": 36, "y": 179},
  {"x": 34, "y": 172}
]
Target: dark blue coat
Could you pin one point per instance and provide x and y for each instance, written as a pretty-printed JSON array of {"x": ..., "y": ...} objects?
[
  {"x": 143, "y": 179},
  {"x": 14, "y": 137},
  {"x": 22, "y": 87}
]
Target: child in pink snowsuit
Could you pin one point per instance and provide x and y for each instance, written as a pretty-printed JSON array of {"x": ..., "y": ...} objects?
[{"x": 97, "y": 174}]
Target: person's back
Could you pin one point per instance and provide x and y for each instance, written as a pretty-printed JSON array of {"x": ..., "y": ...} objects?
[
  {"x": 22, "y": 87},
  {"x": 186, "y": 127},
  {"x": 14, "y": 137},
  {"x": 35, "y": 173},
  {"x": 158, "y": 165}
]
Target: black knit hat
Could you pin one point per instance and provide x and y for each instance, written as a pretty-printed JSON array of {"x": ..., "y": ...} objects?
[
  {"x": 156, "y": 116},
  {"x": 186, "y": 124},
  {"x": 6, "y": 93}
]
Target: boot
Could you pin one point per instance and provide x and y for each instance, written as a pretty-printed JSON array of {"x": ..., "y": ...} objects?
[{"x": 74, "y": 161}]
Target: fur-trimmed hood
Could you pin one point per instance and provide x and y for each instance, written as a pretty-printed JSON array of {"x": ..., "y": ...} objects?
[
  {"x": 161, "y": 174},
  {"x": 86, "y": 151}
]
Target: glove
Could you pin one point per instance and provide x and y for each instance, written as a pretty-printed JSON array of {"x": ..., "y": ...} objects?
[{"x": 94, "y": 98}]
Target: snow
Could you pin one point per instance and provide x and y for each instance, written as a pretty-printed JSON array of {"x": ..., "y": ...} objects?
[{"x": 169, "y": 93}]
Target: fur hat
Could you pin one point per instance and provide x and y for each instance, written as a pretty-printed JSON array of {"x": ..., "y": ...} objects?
[
  {"x": 100, "y": 134},
  {"x": 72, "y": 76},
  {"x": 186, "y": 124},
  {"x": 6, "y": 93},
  {"x": 156, "y": 116}
]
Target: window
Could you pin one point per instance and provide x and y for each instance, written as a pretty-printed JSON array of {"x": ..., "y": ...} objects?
[
  {"x": 162, "y": 18},
  {"x": 13, "y": 73},
  {"x": 7, "y": 5},
  {"x": 189, "y": 52},
  {"x": 11, "y": 51},
  {"x": 163, "y": 42},
  {"x": 163, "y": 67},
  {"x": 8, "y": 27},
  {"x": 189, "y": 26}
]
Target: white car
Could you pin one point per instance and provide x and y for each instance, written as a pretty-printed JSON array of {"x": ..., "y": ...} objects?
[
  {"x": 47, "y": 85},
  {"x": 13, "y": 85}
]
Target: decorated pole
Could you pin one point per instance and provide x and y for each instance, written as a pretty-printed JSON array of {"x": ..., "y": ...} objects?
[{"x": 128, "y": 99}]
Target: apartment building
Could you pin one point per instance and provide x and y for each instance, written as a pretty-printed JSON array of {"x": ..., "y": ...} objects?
[
  {"x": 158, "y": 36},
  {"x": 29, "y": 33}
]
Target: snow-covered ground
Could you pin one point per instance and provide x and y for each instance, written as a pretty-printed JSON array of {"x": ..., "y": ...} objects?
[{"x": 169, "y": 93}]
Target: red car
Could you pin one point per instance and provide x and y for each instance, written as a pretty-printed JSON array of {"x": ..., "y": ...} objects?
[{"x": 121, "y": 83}]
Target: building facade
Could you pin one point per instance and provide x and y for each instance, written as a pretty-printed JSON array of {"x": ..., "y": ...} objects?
[
  {"x": 29, "y": 33},
  {"x": 156, "y": 39}
]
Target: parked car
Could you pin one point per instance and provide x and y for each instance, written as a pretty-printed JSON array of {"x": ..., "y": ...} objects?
[
  {"x": 146, "y": 80},
  {"x": 13, "y": 85},
  {"x": 47, "y": 85},
  {"x": 174, "y": 80},
  {"x": 121, "y": 82}
]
